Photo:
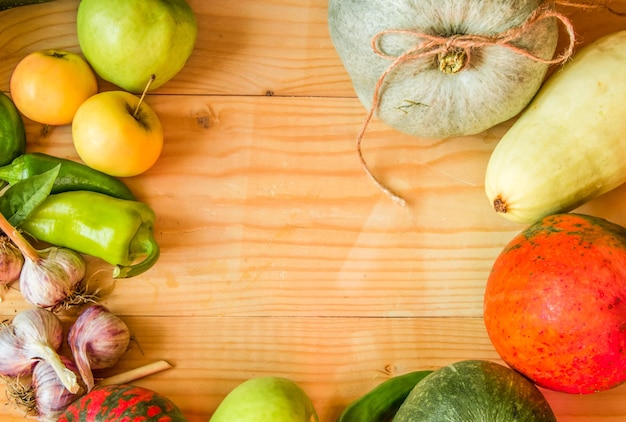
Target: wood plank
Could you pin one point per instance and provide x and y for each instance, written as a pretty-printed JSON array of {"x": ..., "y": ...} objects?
[
  {"x": 280, "y": 257},
  {"x": 335, "y": 360},
  {"x": 268, "y": 212},
  {"x": 245, "y": 48},
  {"x": 248, "y": 47}
]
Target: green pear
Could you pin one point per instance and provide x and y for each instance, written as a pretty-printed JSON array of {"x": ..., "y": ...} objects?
[
  {"x": 263, "y": 399},
  {"x": 128, "y": 41}
]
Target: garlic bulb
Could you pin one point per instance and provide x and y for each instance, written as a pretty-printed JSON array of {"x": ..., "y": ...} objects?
[
  {"x": 11, "y": 261},
  {"x": 51, "y": 396},
  {"x": 40, "y": 334},
  {"x": 97, "y": 339},
  {"x": 47, "y": 282},
  {"x": 48, "y": 277}
]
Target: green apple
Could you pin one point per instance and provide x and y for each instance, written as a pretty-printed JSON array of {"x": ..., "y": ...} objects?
[
  {"x": 268, "y": 398},
  {"x": 127, "y": 41},
  {"x": 475, "y": 391}
]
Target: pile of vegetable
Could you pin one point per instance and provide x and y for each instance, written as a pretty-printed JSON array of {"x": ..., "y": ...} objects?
[
  {"x": 469, "y": 390},
  {"x": 30, "y": 347},
  {"x": 553, "y": 304},
  {"x": 63, "y": 204},
  {"x": 55, "y": 212},
  {"x": 554, "y": 300},
  {"x": 73, "y": 211}
]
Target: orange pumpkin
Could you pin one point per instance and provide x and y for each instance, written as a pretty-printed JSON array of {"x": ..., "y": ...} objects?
[{"x": 555, "y": 303}]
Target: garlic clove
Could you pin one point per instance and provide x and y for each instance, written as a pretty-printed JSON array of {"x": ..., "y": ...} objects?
[
  {"x": 71, "y": 261},
  {"x": 53, "y": 278},
  {"x": 11, "y": 261},
  {"x": 66, "y": 376},
  {"x": 41, "y": 335},
  {"x": 97, "y": 339},
  {"x": 51, "y": 396},
  {"x": 38, "y": 325},
  {"x": 14, "y": 362}
]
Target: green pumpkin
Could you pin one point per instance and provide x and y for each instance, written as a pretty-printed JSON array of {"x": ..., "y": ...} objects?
[
  {"x": 475, "y": 391},
  {"x": 454, "y": 94}
]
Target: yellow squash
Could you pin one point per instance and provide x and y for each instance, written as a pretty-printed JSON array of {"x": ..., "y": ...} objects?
[{"x": 569, "y": 145}]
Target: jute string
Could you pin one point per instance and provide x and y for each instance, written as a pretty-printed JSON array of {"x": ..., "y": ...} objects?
[{"x": 430, "y": 46}]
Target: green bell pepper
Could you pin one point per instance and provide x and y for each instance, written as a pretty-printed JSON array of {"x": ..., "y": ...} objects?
[{"x": 115, "y": 230}]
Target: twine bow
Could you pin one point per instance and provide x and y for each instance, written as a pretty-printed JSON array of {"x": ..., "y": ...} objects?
[{"x": 433, "y": 45}]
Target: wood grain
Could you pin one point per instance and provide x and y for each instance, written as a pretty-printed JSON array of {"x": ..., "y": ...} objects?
[
  {"x": 279, "y": 256},
  {"x": 273, "y": 199}
]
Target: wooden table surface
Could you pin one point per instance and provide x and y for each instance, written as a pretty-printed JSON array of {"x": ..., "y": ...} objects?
[{"x": 279, "y": 256}]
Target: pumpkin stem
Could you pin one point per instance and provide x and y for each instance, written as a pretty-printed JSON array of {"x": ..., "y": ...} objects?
[{"x": 453, "y": 60}]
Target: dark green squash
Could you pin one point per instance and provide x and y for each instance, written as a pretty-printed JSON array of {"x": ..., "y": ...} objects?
[{"x": 475, "y": 391}]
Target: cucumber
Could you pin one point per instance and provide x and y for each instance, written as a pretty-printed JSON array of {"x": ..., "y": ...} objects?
[
  {"x": 381, "y": 403},
  {"x": 569, "y": 145},
  {"x": 12, "y": 134},
  {"x": 8, "y": 4}
]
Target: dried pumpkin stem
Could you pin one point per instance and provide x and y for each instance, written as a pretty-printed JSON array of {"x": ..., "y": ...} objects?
[{"x": 453, "y": 60}]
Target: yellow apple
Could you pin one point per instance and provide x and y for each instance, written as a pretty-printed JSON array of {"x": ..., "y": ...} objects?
[
  {"x": 117, "y": 133},
  {"x": 48, "y": 86}
]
